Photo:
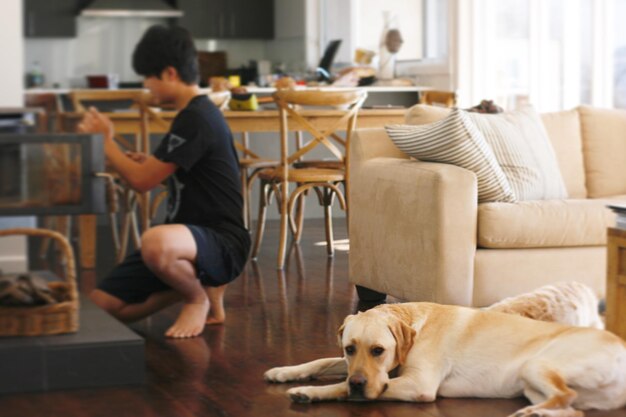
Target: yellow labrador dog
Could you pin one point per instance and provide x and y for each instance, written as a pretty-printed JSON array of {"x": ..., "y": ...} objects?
[{"x": 452, "y": 351}]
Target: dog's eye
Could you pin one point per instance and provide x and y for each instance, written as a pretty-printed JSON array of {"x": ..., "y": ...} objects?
[
  {"x": 350, "y": 350},
  {"x": 377, "y": 351}
]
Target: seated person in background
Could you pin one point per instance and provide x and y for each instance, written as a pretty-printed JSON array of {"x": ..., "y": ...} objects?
[{"x": 203, "y": 245}]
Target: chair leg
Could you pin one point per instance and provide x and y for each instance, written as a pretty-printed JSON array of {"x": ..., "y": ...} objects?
[
  {"x": 243, "y": 177},
  {"x": 126, "y": 224},
  {"x": 115, "y": 234},
  {"x": 328, "y": 220},
  {"x": 135, "y": 229},
  {"x": 284, "y": 219},
  {"x": 347, "y": 196},
  {"x": 300, "y": 216},
  {"x": 260, "y": 225}
]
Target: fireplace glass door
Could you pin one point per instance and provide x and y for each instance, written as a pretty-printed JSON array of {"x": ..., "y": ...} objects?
[{"x": 51, "y": 174}]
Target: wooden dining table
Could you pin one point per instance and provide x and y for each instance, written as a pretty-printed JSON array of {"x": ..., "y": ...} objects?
[
  {"x": 155, "y": 122},
  {"x": 250, "y": 121}
]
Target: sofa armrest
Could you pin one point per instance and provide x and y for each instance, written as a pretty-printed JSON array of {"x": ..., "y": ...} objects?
[
  {"x": 412, "y": 225},
  {"x": 373, "y": 143}
]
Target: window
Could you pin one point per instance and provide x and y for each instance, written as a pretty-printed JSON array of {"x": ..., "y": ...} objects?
[
  {"x": 619, "y": 83},
  {"x": 554, "y": 54}
]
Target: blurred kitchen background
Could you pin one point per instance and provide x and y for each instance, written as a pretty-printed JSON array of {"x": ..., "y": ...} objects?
[{"x": 67, "y": 40}]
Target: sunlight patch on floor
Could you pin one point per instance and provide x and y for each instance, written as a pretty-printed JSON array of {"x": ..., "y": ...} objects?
[{"x": 342, "y": 245}]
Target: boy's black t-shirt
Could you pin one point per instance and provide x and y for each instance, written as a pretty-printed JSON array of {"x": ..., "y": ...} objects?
[{"x": 205, "y": 189}]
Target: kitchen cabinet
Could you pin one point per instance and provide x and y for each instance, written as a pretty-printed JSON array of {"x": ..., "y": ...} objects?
[
  {"x": 50, "y": 19},
  {"x": 228, "y": 19}
]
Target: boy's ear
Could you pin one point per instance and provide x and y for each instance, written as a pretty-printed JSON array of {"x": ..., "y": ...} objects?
[{"x": 170, "y": 74}]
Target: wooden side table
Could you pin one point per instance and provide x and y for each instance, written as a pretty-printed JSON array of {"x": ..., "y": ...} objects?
[{"x": 616, "y": 282}]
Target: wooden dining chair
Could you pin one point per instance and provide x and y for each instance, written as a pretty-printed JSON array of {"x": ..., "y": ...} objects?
[
  {"x": 438, "y": 98},
  {"x": 324, "y": 181}
]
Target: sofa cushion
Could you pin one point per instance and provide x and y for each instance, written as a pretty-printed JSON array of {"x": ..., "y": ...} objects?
[
  {"x": 563, "y": 129},
  {"x": 524, "y": 152},
  {"x": 547, "y": 223},
  {"x": 455, "y": 140},
  {"x": 521, "y": 146},
  {"x": 604, "y": 147}
]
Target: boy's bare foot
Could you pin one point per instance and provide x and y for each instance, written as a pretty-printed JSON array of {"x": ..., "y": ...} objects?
[
  {"x": 190, "y": 321},
  {"x": 217, "y": 314}
]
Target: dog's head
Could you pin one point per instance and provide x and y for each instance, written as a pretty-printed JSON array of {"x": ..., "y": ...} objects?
[{"x": 374, "y": 343}]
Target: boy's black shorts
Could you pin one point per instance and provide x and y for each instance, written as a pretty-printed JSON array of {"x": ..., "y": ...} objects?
[{"x": 217, "y": 263}]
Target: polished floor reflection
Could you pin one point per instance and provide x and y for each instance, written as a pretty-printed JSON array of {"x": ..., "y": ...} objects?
[{"x": 274, "y": 318}]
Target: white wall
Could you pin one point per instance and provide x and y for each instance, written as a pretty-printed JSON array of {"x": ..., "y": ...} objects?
[
  {"x": 103, "y": 45},
  {"x": 12, "y": 249},
  {"x": 12, "y": 47}
]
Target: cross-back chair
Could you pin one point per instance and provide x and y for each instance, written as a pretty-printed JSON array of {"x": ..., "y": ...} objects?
[{"x": 324, "y": 181}]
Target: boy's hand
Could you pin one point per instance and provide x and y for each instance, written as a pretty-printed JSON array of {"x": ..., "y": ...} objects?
[
  {"x": 137, "y": 156},
  {"x": 96, "y": 122}
]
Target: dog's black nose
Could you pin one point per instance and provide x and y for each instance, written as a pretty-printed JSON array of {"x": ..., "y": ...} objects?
[{"x": 357, "y": 384}]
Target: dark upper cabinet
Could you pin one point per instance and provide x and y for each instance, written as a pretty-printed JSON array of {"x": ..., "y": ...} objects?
[
  {"x": 228, "y": 19},
  {"x": 50, "y": 19}
]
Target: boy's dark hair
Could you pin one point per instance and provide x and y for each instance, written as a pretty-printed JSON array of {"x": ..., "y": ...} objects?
[{"x": 161, "y": 47}]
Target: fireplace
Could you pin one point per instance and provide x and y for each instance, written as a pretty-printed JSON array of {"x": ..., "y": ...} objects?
[{"x": 49, "y": 174}]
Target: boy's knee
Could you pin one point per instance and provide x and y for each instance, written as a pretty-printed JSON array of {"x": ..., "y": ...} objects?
[{"x": 154, "y": 250}]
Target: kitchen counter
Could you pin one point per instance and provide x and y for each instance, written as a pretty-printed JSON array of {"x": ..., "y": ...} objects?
[{"x": 378, "y": 96}]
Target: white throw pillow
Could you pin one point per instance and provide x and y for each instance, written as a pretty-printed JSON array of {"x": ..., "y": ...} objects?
[
  {"x": 522, "y": 147},
  {"x": 456, "y": 140}
]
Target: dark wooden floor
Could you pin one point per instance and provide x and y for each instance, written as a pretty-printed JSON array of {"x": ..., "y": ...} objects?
[{"x": 274, "y": 318}]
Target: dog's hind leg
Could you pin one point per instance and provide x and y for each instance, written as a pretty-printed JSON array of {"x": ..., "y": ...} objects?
[
  {"x": 547, "y": 390},
  {"x": 327, "y": 368}
]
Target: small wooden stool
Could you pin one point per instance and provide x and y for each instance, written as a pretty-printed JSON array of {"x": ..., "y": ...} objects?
[{"x": 616, "y": 282}]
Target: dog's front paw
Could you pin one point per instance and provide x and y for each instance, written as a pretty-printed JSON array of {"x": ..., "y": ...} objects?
[
  {"x": 300, "y": 395},
  {"x": 283, "y": 374},
  {"x": 534, "y": 411}
]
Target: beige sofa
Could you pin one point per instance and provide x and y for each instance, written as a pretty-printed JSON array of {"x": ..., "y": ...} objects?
[{"x": 417, "y": 232}]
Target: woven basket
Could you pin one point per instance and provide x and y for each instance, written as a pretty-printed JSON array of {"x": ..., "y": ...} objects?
[{"x": 50, "y": 319}]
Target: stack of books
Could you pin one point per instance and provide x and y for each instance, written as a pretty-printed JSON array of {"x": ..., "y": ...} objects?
[{"x": 620, "y": 211}]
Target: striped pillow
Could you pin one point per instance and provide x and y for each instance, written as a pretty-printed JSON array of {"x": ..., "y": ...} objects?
[
  {"x": 455, "y": 140},
  {"x": 522, "y": 148}
]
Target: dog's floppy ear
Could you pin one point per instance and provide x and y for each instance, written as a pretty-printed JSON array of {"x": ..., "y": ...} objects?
[
  {"x": 343, "y": 326},
  {"x": 405, "y": 336}
]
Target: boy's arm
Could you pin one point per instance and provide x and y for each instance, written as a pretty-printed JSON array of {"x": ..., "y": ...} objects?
[{"x": 141, "y": 176}]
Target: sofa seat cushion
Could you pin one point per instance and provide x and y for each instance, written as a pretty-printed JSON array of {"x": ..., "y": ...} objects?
[{"x": 545, "y": 223}]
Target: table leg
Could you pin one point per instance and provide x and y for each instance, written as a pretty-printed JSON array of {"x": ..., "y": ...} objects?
[
  {"x": 87, "y": 240},
  {"x": 616, "y": 286}
]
